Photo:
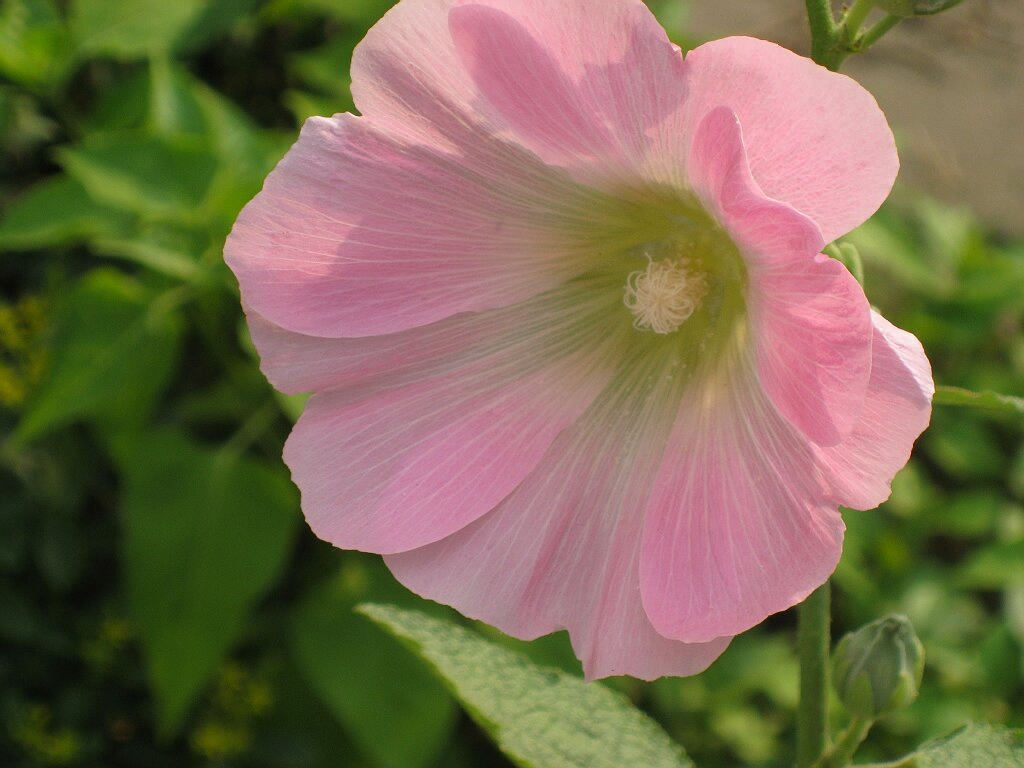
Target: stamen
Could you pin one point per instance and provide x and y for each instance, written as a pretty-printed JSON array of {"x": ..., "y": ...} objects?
[{"x": 663, "y": 296}]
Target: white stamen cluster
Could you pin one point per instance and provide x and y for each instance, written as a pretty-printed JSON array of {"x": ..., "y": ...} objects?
[{"x": 663, "y": 296}]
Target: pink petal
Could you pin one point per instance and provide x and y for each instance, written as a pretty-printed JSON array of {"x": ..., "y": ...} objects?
[
  {"x": 810, "y": 320},
  {"x": 407, "y": 78},
  {"x": 563, "y": 550},
  {"x": 356, "y": 235},
  {"x": 295, "y": 362},
  {"x": 815, "y": 139},
  {"x": 569, "y": 80},
  {"x": 573, "y": 80},
  {"x": 896, "y": 411},
  {"x": 393, "y": 466},
  {"x": 739, "y": 525}
]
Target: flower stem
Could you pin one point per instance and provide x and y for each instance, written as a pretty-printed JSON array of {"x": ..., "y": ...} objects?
[
  {"x": 878, "y": 29},
  {"x": 823, "y": 29},
  {"x": 833, "y": 41},
  {"x": 855, "y": 17},
  {"x": 813, "y": 627},
  {"x": 253, "y": 427},
  {"x": 852, "y": 738}
]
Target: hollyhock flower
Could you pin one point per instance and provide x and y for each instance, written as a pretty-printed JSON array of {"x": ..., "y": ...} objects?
[{"x": 577, "y": 360}]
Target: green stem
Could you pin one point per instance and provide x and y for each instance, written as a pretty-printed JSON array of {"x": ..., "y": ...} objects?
[
  {"x": 257, "y": 423},
  {"x": 852, "y": 738},
  {"x": 878, "y": 29},
  {"x": 832, "y": 42},
  {"x": 855, "y": 17},
  {"x": 992, "y": 401},
  {"x": 813, "y": 626},
  {"x": 823, "y": 29}
]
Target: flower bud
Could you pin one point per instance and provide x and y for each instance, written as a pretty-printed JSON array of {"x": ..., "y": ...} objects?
[
  {"x": 878, "y": 668},
  {"x": 849, "y": 256},
  {"x": 915, "y": 7}
]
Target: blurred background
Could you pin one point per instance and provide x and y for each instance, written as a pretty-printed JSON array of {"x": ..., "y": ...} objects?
[{"x": 162, "y": 602}]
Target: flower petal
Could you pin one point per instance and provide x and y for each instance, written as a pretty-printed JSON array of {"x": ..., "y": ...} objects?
[
  {"x": 896, "y": 411},
  {"x": 810, "y": 320},
  {"x": 357, "y": 235},
  {"x": 739, "y": 524},
  {"x": 295, "y": 362},
  {"x": 815, "y": 139},
  {"x": 563, "y": 550},
  {"x": 386, "y": 465},
  {"x": 571, "y": 80},
  {"x": 407, "y": 78}
]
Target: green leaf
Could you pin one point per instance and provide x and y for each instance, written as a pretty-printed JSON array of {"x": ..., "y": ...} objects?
[
  {"x": 173, "y": 108},
  {"x": 33, "y": 42},
  {"x": 889, "y": 247},
  {"x": 121, "y": 106},
  {"x": 205, "y": 534},
  {"x": 246, "y": 153},
  {"x": 165, "y": 248},
  {"x": 394, "y": 709},
  {"x": 326, "y": 68},
  {"x": 540, "y": 718},
  {"x": 971, "y": 513},
  {"x": 994, "y": 567},
  {"x": 153, "y": 253},
  {"x": 188, "y": 115},
  {"x": 306, "y": 104},
  {"x": 58, "y": 211},
  {"x": 990, "y": 401},
  {"x": 292, "y": 405},
  {"x": 114, "y": 346},
  {"x": 970, "y": 747},
  {"x": 143, "y": 174},
  {"x": 130, "y": 28},
  {"x": 214, "y": 19},
  {"x": 964, "y": 445},
  {"x": 350, "y": 11}
]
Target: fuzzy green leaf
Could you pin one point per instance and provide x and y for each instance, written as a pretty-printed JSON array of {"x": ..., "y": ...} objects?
[
  {"x": 969, "y": 747},
  {"x": 540, "y": 718}
]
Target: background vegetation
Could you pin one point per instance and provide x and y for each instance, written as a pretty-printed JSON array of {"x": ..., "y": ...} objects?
[{"x": 161, "y": 601}]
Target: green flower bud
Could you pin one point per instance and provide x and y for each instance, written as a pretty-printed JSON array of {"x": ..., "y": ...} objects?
[
  {"x": 878, "y": 668},
  {"x": 849, "y": 256},
  {"x": 915, "y": 7}
]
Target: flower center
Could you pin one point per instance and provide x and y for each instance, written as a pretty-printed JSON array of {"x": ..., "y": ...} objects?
[{"x": 663, "y": 296}]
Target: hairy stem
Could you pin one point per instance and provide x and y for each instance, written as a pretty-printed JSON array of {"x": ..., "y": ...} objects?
[
  {"x": 833, "y": 41},
  {"x": 823, "y": 29},
  {"x": 855, "y": 17},
  {"x": 813, "y": 628},
  {"x": 852, "y": 738},
  {"x": 878, "y": 29}
]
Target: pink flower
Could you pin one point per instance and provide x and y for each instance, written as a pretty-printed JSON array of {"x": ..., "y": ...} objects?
[{"x": 577, "y": 360}]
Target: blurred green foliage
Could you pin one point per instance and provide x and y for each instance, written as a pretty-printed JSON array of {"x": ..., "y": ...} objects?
[{"x": 161, "y": 603}]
